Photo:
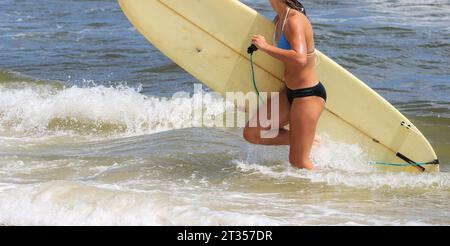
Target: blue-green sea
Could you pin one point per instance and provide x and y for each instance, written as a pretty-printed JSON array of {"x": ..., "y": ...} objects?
[{"x": 90, "y": 133}]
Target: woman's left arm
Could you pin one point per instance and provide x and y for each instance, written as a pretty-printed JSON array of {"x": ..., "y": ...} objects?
[{"x": 296, "y": 38}]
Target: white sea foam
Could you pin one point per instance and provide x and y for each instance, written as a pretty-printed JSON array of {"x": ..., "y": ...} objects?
[
  {"x": 74, "y": 203},
  {"x": 68, "y": 203},
  {"x": 347, "y": 165},
  {"x": 373, "y": 181},
  {"x": 120, "y": 111}
]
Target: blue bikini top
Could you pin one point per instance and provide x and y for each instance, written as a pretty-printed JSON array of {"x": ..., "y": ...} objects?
[{"x": 283, "y": 43}]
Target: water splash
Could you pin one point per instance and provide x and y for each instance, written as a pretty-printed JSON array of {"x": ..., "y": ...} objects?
[
  {"x": 341, "y": 164},
  {"x": 97, "y": 110}
]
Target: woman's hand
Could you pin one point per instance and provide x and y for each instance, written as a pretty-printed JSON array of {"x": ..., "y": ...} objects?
[{"x": 260, "y": 42}]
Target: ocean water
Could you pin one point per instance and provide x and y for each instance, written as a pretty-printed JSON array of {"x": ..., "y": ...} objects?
[{"x": 91, "y": 134}]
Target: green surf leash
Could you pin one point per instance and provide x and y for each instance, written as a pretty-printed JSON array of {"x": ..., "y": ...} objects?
[
  {"x": 250, "y": 51},
  {"x": 397, "y": 164}
]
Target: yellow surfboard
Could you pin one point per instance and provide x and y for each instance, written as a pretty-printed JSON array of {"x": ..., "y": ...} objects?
[{"x": 209, "y": 39}]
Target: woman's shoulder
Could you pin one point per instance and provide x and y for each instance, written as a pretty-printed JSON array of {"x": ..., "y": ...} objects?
[
  {"x": 297, "y": 16},
  {"x": 297, "y": 20}
]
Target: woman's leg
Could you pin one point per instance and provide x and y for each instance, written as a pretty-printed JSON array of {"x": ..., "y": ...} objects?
[
  {"x": 304, "y": 116},
  {"x": 253, "y": 134}
]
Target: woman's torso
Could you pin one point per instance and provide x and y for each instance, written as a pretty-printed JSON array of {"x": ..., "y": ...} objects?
[{"x": 297, "y": 77}]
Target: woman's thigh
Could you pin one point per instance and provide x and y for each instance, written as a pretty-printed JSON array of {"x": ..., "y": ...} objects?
[{"x": 304, "y": 117}]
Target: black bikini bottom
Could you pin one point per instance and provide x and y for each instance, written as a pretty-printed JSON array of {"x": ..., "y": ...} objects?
[{"x": 318, "y": 90}]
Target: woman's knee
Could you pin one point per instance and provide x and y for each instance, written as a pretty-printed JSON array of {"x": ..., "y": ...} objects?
[{"x": 252, "y": 135}]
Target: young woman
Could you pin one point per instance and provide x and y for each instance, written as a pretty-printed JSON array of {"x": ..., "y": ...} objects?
[{"x": 303, "y": 100}]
